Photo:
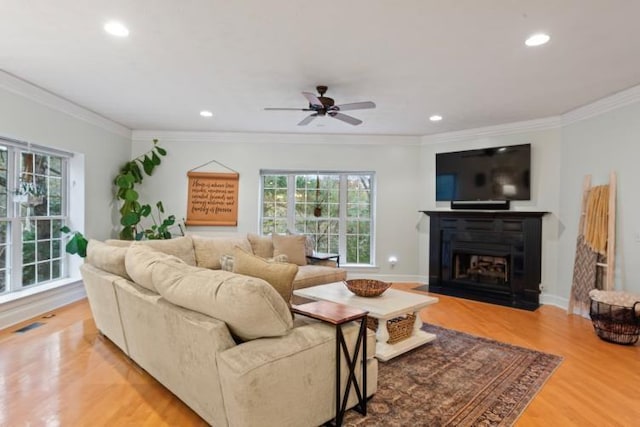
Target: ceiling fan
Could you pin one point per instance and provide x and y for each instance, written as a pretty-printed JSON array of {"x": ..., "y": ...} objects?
[{"x": 323, "y": 106}]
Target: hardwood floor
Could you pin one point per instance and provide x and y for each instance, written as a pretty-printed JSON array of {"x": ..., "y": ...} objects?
[{"x": 65, "y": 373}]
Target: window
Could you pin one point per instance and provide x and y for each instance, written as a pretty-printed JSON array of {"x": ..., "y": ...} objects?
[
  {"x": 32, "y": 210},
  {"x": 336, "y": 208}
]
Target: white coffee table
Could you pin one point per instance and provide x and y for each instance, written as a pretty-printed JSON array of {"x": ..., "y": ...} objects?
[{"x": 392, "y": 303}]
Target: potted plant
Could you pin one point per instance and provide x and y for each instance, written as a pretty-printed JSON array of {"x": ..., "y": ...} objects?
[{"x": 28, "y": 194}]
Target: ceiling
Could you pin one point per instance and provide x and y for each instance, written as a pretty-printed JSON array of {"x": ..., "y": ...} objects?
[{"x": 464, "y": 59}]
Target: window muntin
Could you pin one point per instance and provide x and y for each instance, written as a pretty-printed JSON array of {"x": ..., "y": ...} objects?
[
  {"x": 32, "y": 211},
  {"x": 336, "y": 208}
]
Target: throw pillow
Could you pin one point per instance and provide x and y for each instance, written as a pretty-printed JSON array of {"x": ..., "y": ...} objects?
[
  {"x": 140, "y": 260},
  {"x": 182, "y": 247},
  {"x": 291, "y": 246},
  {"x": 261, "y": 245},
  {"x": 278, "y": 275},
  {"x": 106, "y": 257},
  {"x": 309, "y": 244},
  {"x": 209, "y": 249},
  {"x": 226, "y": 261},
  {"x": 250, "y": 307}
]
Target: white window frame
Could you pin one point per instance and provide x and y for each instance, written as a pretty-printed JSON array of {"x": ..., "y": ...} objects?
[
  {"x": 342, "y": 235},
  {"x": 14, "y": 262}
]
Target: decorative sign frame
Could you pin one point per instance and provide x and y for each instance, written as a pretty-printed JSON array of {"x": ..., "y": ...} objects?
[{"x": 213, "y": 199}]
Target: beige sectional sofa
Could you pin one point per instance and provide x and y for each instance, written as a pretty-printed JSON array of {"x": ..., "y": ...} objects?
[{"x": 225, "y": 343}]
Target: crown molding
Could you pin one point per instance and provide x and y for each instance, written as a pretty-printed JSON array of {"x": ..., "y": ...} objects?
[
  {"x": 42, "y": 96},
  {"x": 603, "y": 105},
  {"x": 497, "y": 130},
  {"x": 277, "y": 138},
  {"x": 596, "y": 108}
]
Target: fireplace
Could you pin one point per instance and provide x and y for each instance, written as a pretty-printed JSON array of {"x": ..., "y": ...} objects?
[
  {"x": 486, "y": 255},
  {"x": 487, "y": 269}
]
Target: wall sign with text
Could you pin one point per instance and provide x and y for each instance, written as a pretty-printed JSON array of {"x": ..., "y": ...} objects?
[{"x": 213, "y": 198}]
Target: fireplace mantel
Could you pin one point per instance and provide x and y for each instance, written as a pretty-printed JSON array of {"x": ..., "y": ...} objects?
[{"x": 514, "y": 235}]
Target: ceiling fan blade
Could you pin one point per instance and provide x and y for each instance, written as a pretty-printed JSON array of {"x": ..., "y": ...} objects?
[
  {"x": 307, "y": 119},
  {"x": 346, "y": 119},
  {"x": 356, "y": 106},
  {"x": 288, "y": 109},
  {"x": 313, "y": 100}
]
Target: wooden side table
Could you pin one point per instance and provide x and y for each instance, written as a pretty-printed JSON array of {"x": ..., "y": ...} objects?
[
  {"x": 322, "y": 256},
  {"x": 338, "y": 315}
]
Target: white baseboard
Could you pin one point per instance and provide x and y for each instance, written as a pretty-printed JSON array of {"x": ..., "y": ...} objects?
[
  {"x": 554, "y": 300},
  {"x": 22, "y": 309}
]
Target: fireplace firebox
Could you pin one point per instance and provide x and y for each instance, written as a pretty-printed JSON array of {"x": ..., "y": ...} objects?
[
  {"x": 481, "y": 268},
  {"x": 489, "y": 256}
]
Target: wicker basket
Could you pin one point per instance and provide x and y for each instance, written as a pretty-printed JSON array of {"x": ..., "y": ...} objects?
[
  {"x": 400, "y": 328},
  {"x": 615, "y": 323},
  {"x": 366, "y": 287}
]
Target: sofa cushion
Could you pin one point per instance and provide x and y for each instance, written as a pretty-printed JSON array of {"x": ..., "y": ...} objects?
[
  {"x": 293, "y": 246},
  {"x": 312, "y": 275},
  {"x": 139, "y": 262},
  {"x": 119, "y": 243},
  {"x": 261, "y": 245},
  {"x": 249, "y": 306},
  {"x": 182, "y": 247},
  {"x": 226, "y": 261},
  {"x": 277, "y": 274},
  {"x": 309, "y": 243},
  {"x": 107, "y": 258},
  {"x": 209, "y": 249}
]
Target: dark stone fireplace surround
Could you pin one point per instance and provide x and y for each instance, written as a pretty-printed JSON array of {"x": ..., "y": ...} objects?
[{"x": 515, "y": 236}]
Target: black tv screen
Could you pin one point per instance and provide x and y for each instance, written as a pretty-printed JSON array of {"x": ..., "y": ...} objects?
[{"x": 496, "y": 173}]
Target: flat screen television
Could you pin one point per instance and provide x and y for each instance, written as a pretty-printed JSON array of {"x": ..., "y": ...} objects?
[{"x": 496, "y": 173}]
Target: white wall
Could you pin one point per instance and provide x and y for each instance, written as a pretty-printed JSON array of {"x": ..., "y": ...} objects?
[
  {"x": 23, "y": 118},
  {"x": 545, "y": 190},
  {"x": 30, "y": 114},
  {"x": 394, "y": 159},
  {"x": 598, "y": 145}
]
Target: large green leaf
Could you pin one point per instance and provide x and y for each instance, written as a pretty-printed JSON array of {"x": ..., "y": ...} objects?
[
  {"x": 126, "y": 207},
  {"x": 131, "y": 195},
  {"x": 155, "y": 159},
  {"x": 130, "y": 218},
  {"x": 145, "y": 210},
  {"x": 136, "y": 172},
  {"x": 125, "y": 181},
  {"x": 82, "y": 244},
  {"x": 121, "y": 193},
  {"x": 77, "y": 245},
  {"x": 147, "y": 165},
  {"x": 161, "y": 151},
  {"x": 126, "y": 233}
]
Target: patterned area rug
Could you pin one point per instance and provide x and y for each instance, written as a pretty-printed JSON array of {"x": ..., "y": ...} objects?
[{"x": 456, "y": 380}]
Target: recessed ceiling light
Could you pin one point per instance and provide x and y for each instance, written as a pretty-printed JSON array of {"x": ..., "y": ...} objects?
[
  {"x": 116, "y": 28},
  {"x": 206, "y": 113},
  {"x": 435, "y": 118},
  {"x": 537, "y": 39}
]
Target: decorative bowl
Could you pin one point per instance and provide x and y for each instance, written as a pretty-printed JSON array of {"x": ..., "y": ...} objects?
[{"x": 366, "y": 287}]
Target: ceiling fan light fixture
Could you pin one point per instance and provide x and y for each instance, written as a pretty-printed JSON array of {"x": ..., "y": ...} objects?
[
  {"x": 435, "y": 118},
  {"x": 116, "y": 28},
  {"x": 321, "y": 106},
  {"x": 206, "y": 113},
  {"x": 537, "y": 39}
]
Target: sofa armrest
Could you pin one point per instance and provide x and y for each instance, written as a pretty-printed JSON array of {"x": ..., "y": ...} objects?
[{"x": 288, "y": 380}]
